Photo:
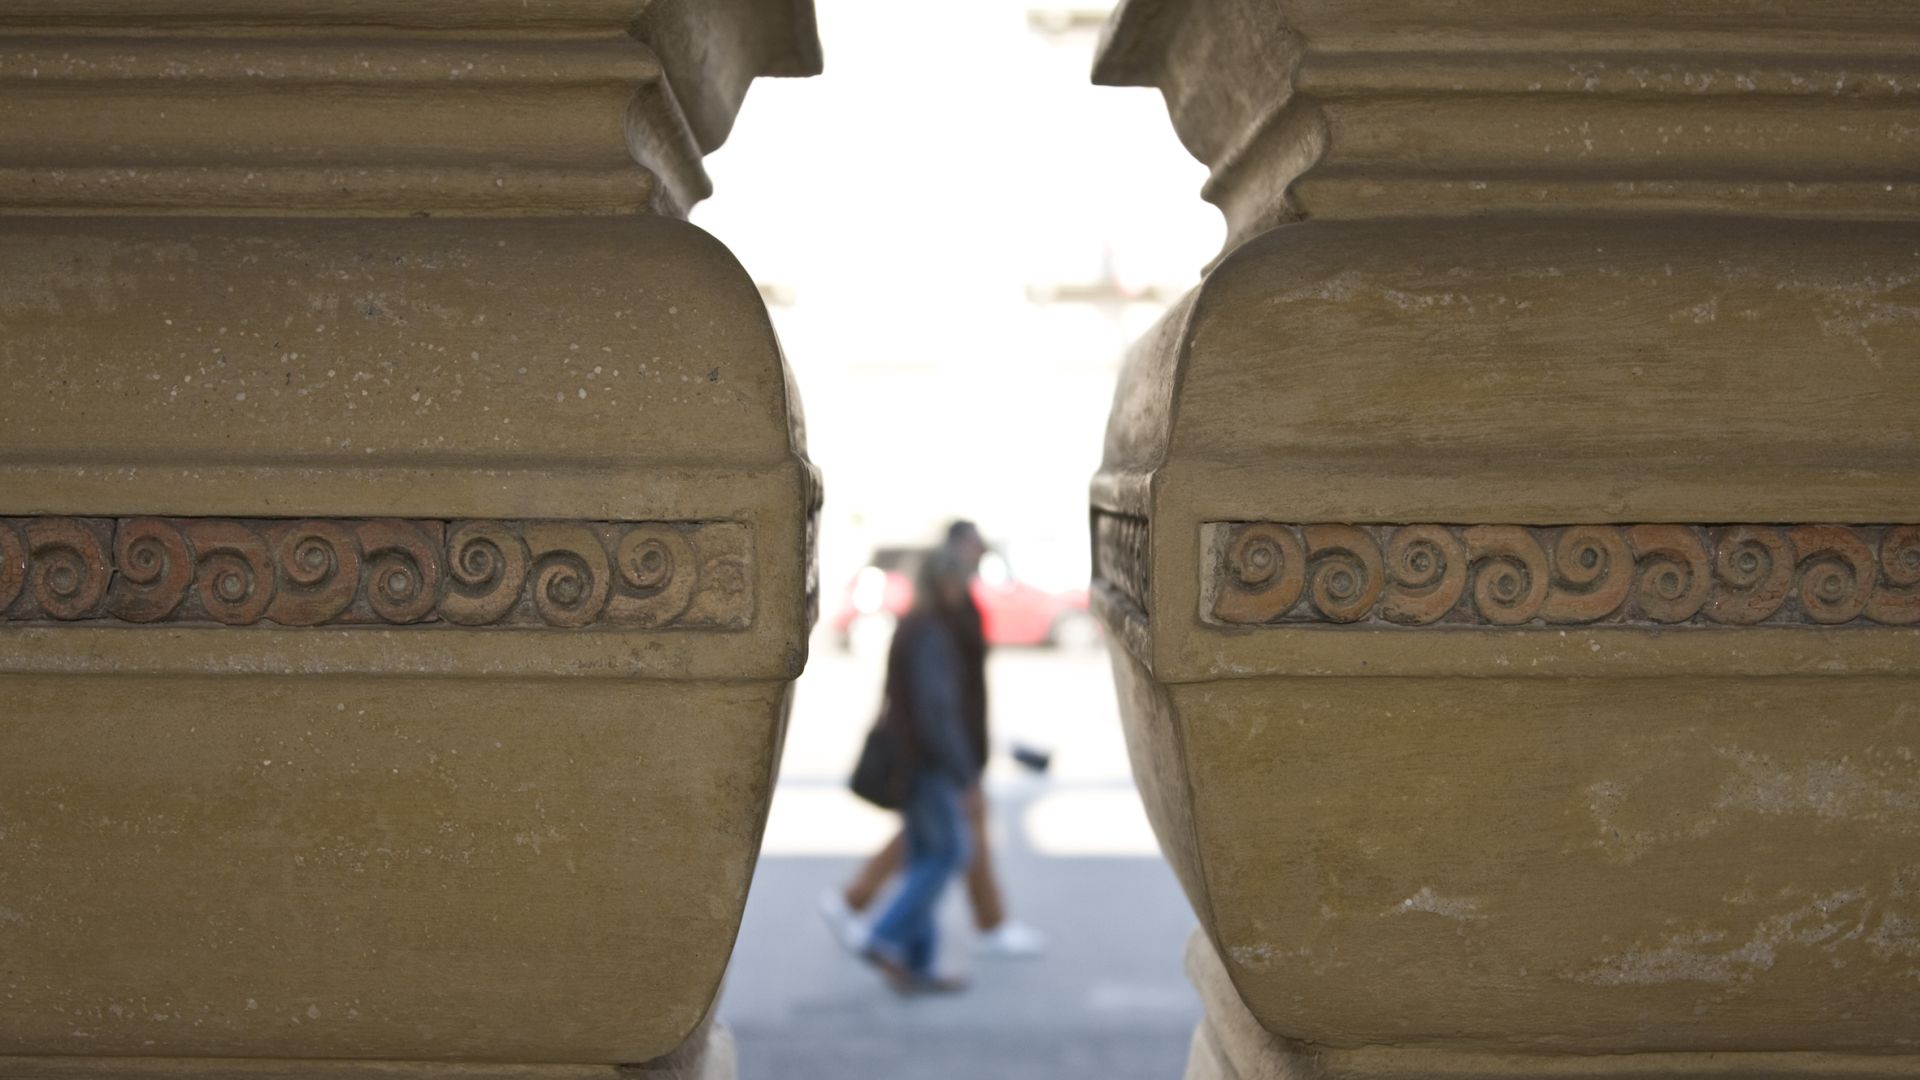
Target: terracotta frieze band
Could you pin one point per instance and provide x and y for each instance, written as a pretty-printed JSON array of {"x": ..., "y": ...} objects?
[
  {"x": 1120, "y": 547},
  {"x": 376, "y": 572},
  {"x": 1508, "y": 575}
]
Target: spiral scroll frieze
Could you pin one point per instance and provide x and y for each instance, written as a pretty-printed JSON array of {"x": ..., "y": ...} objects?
[
  {"x": 319, "y": 564},
  {"x": 1268, "y": 573},
  {"x": 235, "y": 577},
  {"x": 571, "y": 574},
  {"x": 376, "y": 572},
  {"x": 1344, "y": 571},
  {"x": 1672, "y": 572},
  {"x": 487, "y": 569},
  {"x": 1592, "y": 573},
  {"x": 67, "y": 569},
  {"x": 1836, "y": 572},
  {"x": 1896, "y": 600},
  {"x": 1752, "y": 572},
  {"x": 1426, "y": 569},
  {"x": 1268, "y": 567},
  {"x": 404, "y": 568},
  {"x": 1509, "y": 573},
  {"x": 153, "y": 570},
  {"x": 656, "y": 565}
]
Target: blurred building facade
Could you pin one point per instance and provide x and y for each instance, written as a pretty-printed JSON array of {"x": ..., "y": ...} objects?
[{"x": 957, "y": 352}]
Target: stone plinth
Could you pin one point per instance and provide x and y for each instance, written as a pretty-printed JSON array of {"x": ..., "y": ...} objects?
[
  {"x": 1510, "y": 547},
  {"x": 405, "y": 537}
]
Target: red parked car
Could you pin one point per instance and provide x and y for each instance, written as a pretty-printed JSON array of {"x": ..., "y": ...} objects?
[{"x": 1013, "y": 612}]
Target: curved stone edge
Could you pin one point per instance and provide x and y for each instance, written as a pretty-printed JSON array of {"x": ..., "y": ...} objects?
[
  {"x": 1230, "y": 1044},
  {"x": 709, "y": 1053}
]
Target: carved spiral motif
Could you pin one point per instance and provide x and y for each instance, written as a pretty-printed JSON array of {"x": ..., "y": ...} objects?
[
  {"x": 356, "y": 572},
  {"x": 564, "y": 590},
  {"x": 1753, "y": 572},
  {"x": 1673, "y": 576},
  {"x": 1258, "y": 555},
  {"x": 13, "y": 566},
  {"x": 487, "y": 564},
  {"x": 1510, "y": 577},
  {"x": 646, "y": 558},
  {"x": 234, "y": 579},
  {"x": 319, "y": 564},
  {"x": 1837, "y": 572},
  {"x": 1344, "y": 575},
  {"x": 571, "y": 575},
  {"x": 1900, "y": 556},
  {"x": 1426, "y": 574},
  {"x": 1592, "y": 573},
  {"x": 403, "y": 570},
  {"x": 657, "y": 562},
  {"x": 1737, "y": 575},
  {"x": 155, "y": 570},
  {"x": 1266, "y": 570},
  {"x": 67, "y": 567},
  {"x": 1896, "y": 601}
]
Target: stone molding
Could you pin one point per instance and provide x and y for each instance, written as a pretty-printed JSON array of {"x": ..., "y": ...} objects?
[
  {"x": 1230, "y": 1044},
  {"x": 376, "y": 572},
  {"x": 213, "y": 107},
  {"x": 1405, "y": 108},
  {"x": 1264, "y": 573}
]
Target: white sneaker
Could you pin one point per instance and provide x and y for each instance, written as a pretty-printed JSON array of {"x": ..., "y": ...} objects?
[
  {"x": 848, "y": 928},
  {"x": 1013, "y": 940}
]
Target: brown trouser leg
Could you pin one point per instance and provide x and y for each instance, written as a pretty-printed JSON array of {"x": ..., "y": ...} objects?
[
  {"x": 874, "y": 873},
  {"x": 983, "y": 889}
]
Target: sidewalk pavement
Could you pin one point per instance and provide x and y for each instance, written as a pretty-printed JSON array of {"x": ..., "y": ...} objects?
[{"x": 1108, "y": 1000}]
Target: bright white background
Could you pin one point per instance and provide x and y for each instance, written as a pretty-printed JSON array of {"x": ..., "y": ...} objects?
[{"x": 914, "y": 216}]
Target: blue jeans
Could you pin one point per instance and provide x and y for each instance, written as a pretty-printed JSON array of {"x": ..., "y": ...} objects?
[{"x": 937, "y": 849}]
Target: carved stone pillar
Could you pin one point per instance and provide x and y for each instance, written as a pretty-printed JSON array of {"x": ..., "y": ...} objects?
[
  {"x": 1510, "y": 546},
  {"x": 405, "y": 536}
]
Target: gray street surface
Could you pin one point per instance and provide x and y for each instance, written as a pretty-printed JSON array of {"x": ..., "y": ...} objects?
[{"x": 1108, "y": 1000}]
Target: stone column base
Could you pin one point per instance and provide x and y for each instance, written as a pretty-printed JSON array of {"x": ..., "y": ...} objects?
[
  {"x": 708, "y": 1054},
  {"x": 1230, "y": 1044}
]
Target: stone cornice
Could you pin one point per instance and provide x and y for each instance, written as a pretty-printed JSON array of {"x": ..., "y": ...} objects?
[
  {"x": 350, "y": 108},
  {"x": 1324, "y": 110}
]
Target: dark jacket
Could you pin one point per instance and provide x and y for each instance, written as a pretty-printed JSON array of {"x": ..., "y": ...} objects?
[
  {"x": 928, "y": 677},
  {"x": 970, "y": 634}
]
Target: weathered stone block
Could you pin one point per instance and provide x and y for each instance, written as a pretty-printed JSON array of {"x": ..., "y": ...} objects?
[
  {"x": 1511, "y": 557},
  {"x": 402, "y": 573}
]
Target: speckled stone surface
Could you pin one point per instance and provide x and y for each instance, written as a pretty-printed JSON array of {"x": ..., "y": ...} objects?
[
  {"x": 407, "y": 544},
  {"x": 1488, "y": 543}
]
